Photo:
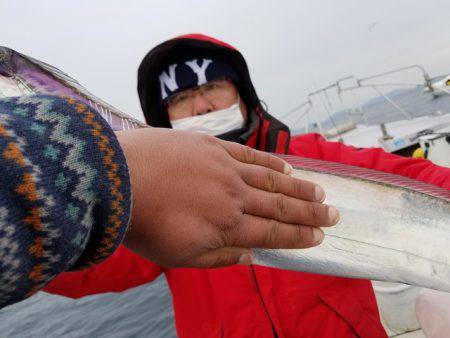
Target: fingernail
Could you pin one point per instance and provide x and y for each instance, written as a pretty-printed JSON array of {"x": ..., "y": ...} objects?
[
  {"x": 245, "y": 259},
  {"x": 288, "y": 169},
  {"x": 319, "y": 194},
  {"x": 318, "y": 235},
  {"x": 333, "y": 214}
]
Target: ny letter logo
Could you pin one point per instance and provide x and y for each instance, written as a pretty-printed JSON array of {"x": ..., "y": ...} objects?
[{"x": 169, "y": 81}]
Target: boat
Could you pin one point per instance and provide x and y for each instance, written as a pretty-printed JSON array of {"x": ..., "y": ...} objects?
[{"x": 401, "y": 136}]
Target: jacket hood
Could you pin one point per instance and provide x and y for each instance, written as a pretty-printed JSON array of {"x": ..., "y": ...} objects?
[{"x": 184, "y": 46}]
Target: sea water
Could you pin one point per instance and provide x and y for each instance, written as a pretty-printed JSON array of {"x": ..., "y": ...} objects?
[{"x": 144, "y": 311}]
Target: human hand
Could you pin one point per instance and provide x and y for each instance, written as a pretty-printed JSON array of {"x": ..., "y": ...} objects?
[{"x": 202, "y": 202}]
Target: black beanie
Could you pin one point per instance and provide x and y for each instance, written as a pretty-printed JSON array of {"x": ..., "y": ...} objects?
[{"x": 175, "y": 77}]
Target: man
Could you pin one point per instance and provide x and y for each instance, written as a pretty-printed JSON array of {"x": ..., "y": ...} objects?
[{"x": 200, "y": 84}]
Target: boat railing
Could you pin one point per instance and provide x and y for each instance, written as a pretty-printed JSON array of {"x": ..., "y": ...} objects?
[{"x": 306, "y": 109}]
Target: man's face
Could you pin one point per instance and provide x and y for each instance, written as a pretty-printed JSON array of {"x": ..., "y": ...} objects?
[{"x": 213, "y": 96}]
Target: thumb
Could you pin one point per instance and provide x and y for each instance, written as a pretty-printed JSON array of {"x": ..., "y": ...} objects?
[{"x": 223, "y": 257}]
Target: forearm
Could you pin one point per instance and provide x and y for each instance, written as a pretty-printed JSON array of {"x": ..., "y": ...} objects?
[{"x": 64, "y": 195}]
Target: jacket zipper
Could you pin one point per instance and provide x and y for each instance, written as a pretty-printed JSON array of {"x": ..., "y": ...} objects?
[{"x": 258, "y": 290}]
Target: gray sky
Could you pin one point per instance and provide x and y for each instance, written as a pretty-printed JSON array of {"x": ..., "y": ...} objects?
[{"x": 290, "y": 46}]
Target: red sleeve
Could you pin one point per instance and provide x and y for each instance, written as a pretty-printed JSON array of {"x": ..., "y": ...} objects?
[
  {"x": 315, "y": 146},
  {"x": 123, "y": 270}
]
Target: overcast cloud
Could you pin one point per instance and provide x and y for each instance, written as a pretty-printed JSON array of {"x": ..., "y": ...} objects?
[{"x": 291, "y": 46}]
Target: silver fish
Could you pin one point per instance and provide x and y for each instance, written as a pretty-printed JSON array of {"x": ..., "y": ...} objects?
[{"x": 391, "y": 229}]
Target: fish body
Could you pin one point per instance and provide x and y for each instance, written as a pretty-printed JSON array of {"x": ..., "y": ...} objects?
[{"x": 391, "y": 229}]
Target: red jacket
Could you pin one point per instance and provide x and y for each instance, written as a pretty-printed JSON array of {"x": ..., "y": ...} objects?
[{"x": 255, "y": 301}]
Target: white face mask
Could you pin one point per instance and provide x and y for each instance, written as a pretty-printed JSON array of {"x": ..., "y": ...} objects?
[{"x": 215, "y": 123}]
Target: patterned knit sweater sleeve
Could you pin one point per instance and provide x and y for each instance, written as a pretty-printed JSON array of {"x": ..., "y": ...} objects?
[{"x": 65, "y": 194}]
